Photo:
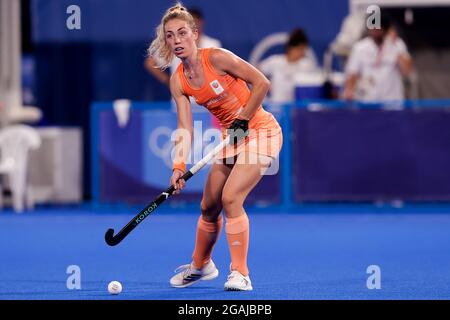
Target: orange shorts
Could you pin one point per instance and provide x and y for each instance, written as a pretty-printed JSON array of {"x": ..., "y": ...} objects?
[{"x": 266, "y": 142}]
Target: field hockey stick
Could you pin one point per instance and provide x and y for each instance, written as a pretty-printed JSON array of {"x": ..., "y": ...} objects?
[{"x": 113, "y": 240}]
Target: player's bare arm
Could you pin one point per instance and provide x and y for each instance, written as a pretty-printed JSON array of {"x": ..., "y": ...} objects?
[
  {"x": 184, "y": 132},
  {"x": 226, "y": 62}
]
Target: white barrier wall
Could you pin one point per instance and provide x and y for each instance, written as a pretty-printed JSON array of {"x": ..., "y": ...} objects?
[{"x": 56, "y": 167}]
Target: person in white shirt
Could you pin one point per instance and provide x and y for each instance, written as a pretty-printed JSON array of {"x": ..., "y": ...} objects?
[
  {"x": 376, "y": 66},
  {"x": 203, "y": 41},
  {"x": 282, "y": 68}
]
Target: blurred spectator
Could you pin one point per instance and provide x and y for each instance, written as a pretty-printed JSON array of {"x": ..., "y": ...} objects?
[
  {"x": 376, "y": 65},
  {"x": 282, "y": 68},
  {"x": 203, "y": 41}
]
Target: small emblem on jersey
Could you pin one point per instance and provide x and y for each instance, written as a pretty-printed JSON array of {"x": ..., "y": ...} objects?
[{"x": 215, "y": 85}]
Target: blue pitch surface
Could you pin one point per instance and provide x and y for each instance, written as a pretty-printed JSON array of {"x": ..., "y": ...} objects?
[{"x": 320, "y": 254}]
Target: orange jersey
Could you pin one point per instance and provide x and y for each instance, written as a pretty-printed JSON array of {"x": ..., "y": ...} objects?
[{"x": 224, "y": 96}]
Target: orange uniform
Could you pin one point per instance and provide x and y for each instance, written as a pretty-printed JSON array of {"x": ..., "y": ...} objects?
[{"x": 225, "y": 96}]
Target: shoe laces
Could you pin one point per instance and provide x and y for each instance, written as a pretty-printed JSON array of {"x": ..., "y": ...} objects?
[
  {"x": 237, "y": 274},
  {"x": 185, "y": 267}
]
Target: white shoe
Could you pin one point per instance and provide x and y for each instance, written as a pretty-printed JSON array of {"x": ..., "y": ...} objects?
[
  {"x": 187, "y": 275},
  {"x": 236, "y": 281}
]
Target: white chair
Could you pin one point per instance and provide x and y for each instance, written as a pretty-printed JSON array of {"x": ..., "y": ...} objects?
[{"x": 15, "y": 143}]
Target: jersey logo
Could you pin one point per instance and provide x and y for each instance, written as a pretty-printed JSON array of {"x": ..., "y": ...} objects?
[{"x": 215, "y": 85}]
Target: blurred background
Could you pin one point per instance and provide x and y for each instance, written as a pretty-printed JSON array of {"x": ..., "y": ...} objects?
[{"x": 77, "y": 73}]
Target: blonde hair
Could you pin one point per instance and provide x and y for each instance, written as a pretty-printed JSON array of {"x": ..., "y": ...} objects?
[{"x": 159, "y": 50}]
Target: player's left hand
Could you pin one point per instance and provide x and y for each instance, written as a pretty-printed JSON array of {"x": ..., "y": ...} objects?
[{"x": 238, "y": 130}]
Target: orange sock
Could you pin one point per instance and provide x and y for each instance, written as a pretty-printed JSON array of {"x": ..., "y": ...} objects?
[
  {"x": 237, "y": 230},
  {"x": 207, "y": 235}
]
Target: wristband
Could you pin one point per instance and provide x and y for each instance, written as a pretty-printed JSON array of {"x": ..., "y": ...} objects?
[{"x": 180, "y": 166}]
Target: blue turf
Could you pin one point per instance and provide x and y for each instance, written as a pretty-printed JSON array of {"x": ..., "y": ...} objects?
[{"x": 292, "y": 256}]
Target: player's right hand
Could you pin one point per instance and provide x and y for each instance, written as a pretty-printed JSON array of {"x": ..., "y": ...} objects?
[{"x": 177, "y": 174}]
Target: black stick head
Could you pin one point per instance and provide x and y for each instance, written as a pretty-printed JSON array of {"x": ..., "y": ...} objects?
[{"x": 110, "y": 239}]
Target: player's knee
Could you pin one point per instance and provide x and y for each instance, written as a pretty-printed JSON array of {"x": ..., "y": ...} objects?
[
  {"x": 230, "y": 201},
  {"x": 210, "y": 210}
]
